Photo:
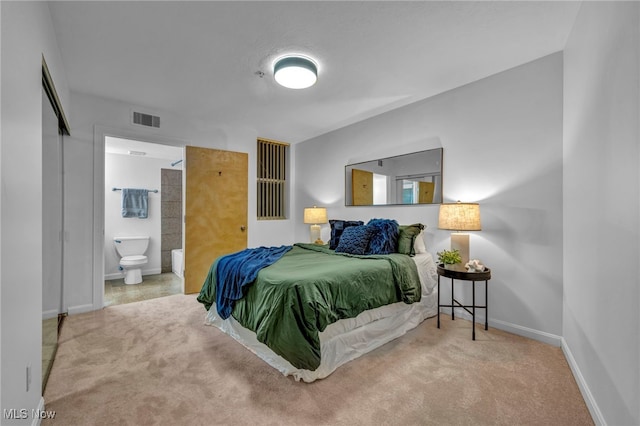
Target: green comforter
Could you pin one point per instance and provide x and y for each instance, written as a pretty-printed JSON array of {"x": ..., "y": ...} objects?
[{"x": 311, "y": 287}]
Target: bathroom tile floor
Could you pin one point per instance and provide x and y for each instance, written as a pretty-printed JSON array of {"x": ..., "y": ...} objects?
[{"x": 116, "y": 292}]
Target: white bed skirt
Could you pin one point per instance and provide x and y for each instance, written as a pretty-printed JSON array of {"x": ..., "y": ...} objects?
[{"x": 347, "y": 339}]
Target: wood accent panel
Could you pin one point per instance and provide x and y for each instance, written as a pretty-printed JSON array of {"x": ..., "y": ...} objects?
[
  {"x": 216, "y": 210},
  {"x": 361, "y": 187},
  {"x": 425, "y": 192}
]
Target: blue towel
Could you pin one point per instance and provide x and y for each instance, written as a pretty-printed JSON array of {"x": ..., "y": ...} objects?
[
  {"x": 135, "y": 203},
  {"x": 237, "y": 270}
]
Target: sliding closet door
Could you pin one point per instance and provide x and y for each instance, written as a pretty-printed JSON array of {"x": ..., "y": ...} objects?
[
  {"x": 52, "y": 200},
  {"x": 215, "y": 210}
]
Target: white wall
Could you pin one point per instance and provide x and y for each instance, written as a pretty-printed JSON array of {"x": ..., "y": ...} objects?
[
  {"x": 502, "y": 140},
  {"x": 27, "y": 35},
  {"x": 127, "y": 171},
  {"x": 601, "y": 325},
  {"x": 96, "y": 117}
]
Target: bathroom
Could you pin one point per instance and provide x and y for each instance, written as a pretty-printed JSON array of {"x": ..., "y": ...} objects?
[{"x": 136, "y": 164}]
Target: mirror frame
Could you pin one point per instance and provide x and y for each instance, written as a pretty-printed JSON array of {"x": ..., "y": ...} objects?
[{"x": 436, "y": 190}]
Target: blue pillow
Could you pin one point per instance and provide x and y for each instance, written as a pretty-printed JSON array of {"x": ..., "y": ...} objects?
[
  {"x": 338, "y": 227},
  {"x": 354, "y": 240},
  {"x": 384, "y": 239}
]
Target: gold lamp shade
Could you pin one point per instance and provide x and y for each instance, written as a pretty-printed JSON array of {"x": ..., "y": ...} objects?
[
  {"x": 315, "y": 215},
  {"x": 459, "y": 216}
]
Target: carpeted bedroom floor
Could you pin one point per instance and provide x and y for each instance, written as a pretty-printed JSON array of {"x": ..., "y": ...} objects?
[{"x": 155, "y": 362}]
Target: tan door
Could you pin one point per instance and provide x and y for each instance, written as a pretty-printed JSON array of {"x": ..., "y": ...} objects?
[
  {"x": 361, "y": 187},
  {"x": 425, "y": 192},
  {"x": 215, "y": 210}
]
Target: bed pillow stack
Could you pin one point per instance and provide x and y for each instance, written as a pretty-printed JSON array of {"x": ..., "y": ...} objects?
[{"x": 378, "y": 236}]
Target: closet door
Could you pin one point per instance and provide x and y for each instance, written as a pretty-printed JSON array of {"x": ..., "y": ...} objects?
[
  {"x": 52, "y": 201},
  {"x": 215, "y": 210}
]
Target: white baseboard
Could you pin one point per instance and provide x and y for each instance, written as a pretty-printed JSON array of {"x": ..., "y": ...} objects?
[
  {"x": 114, "y": 276},
  {"x": 53, "y": 313},
  {"x": 594, "y": 410},
  {"x": 80, "y": 309},
  {"x": 541, "y": 336}
]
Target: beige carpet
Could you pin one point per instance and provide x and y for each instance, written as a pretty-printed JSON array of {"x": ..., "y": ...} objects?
[{"x": 155, "y": 362}]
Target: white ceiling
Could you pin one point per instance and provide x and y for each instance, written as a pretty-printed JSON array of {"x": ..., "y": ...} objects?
[
  {"x": 151, "y": 150},
  {"x": 201, "y": 59}
]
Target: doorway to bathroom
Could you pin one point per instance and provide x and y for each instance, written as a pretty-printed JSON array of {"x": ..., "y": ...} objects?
[{"x": 156, "y": 168}]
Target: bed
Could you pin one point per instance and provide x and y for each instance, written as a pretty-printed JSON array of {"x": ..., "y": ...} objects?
[{"x": 314, "y": 308}]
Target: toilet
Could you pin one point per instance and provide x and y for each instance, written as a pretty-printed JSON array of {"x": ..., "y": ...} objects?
[{"x": 131, "y": 251}]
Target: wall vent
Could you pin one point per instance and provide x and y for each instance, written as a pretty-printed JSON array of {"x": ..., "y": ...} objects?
[{"x": 146, "y": 119}]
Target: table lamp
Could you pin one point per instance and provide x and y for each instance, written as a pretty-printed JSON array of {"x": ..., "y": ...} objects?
[
  {"x": 315, "y": 216},
  {"x": 460, "y": 217}
]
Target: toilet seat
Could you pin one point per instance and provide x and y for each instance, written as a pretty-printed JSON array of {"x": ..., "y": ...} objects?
[{"x": 133, "y": 260}]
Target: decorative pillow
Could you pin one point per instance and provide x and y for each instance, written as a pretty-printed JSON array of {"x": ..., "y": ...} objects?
[
  {"x": 419, "y": 245},
  {"x": 338, "y": 227},
  {"x": 354, "y": 240},
  {"x": 384, "y": 239},
  {"x": 407, "y": 236}
]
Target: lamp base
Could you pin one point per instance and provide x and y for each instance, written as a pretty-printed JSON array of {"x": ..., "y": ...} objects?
[
  {"x": 314, "y": 231},
  {"x": 460, "y": 242}
]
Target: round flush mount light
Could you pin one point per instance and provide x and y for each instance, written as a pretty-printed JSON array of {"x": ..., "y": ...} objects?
[{"x": 295, "y": 72}]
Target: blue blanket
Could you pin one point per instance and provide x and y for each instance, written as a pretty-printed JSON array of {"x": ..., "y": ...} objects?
[{"x": 237, "y": 270}]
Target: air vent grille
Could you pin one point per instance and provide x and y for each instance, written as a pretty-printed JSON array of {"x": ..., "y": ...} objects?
[{"x": 146, "y": 119}]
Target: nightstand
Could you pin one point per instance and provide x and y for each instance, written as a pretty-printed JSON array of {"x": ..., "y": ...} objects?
[{"x": 463, "y": 275}]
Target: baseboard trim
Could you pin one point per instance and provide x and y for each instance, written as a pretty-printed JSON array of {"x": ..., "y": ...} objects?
[
  {"x": 53, "y": 313},
  {"x": 541, "y": 336},
  {"x": 80, "y": 309},
  {"x": 114, "y": 276},
  {"x": 594, "y": 410}
]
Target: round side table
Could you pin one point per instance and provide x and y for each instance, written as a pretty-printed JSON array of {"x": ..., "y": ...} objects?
[{"x": 461, "y": 274}]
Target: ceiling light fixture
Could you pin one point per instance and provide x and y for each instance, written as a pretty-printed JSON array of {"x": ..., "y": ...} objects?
[{"x": 295, "y": 72}]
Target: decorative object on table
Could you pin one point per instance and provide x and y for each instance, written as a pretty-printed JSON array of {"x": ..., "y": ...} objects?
[
  {"x": 315, "y": 216},
  {"x": 449, "y": 258},
  {"x": 474, "y": 265},
  {"x": 460, "y": 217}
]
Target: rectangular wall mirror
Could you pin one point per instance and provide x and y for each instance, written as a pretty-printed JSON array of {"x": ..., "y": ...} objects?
[{"x": 414, "y": 178}]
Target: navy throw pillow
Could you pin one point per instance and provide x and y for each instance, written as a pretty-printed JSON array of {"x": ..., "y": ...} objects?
[
  {"x": 384, "y": 239},
  {"x": 354, "y": 240},
  {"x": 338, "y": 227}
]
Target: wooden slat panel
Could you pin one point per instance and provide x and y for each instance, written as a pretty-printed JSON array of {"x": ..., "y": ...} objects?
[{"x": 271, "y": 179}]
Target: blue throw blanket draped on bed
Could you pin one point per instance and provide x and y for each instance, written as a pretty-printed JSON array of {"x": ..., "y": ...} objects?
[{"x": 235, "y": 271}]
